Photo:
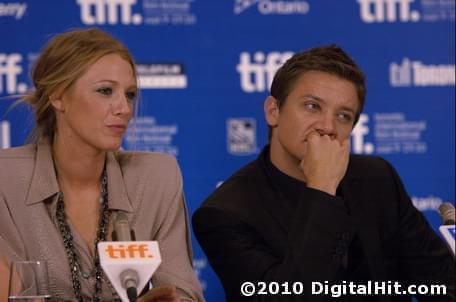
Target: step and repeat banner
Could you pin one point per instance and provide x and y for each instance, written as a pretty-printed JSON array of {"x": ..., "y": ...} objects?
[{"x": 205, "y": 68}]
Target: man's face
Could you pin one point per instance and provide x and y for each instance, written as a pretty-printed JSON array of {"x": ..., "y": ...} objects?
[{"x": 319, "y": 102}]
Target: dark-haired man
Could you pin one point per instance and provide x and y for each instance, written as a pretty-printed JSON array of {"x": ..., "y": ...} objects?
[{"x": 306, "y": 211}]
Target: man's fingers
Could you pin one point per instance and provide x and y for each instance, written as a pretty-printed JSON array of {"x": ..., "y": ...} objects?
[{"x": 312, "y": 136}]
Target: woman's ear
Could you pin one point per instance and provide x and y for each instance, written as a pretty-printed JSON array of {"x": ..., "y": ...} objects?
[{"x": 57, "y": 103}]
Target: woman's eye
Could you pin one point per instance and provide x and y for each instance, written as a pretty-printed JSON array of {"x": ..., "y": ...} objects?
[
  {"x": 105, "y": 90},
  {"x": 131, "y": 95}
]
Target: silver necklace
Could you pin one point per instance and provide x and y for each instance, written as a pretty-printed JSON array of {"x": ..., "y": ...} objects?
[{"x": 67, "y": 237}]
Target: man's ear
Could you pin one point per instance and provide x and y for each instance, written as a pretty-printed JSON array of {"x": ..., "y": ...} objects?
[{"x": 271, "y": 111}]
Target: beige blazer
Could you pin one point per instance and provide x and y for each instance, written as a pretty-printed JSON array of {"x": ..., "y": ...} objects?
[{"x": 146, "y": 186}]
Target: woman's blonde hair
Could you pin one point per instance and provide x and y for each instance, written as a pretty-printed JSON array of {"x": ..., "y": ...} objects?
[{"x": 63, "y": 60}]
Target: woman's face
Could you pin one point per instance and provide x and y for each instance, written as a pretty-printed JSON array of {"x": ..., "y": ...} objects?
[{"x": 95, "y": 110}]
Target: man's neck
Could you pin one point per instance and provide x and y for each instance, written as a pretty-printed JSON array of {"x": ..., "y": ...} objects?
[{"x": 285, "y": 162}]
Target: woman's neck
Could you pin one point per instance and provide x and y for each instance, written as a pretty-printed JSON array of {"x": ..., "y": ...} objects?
[{"x": 77, "y": 167}]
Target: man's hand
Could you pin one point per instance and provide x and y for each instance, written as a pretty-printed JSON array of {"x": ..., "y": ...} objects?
[
  {"x": 325, "y": 162},
  {"x": 160, "y": 294}
]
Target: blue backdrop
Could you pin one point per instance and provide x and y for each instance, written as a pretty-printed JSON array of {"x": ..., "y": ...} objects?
[{"x": 205, "y": 68}]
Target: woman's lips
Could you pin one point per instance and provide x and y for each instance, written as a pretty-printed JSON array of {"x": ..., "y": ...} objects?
[{"x": 118, "y": 128}]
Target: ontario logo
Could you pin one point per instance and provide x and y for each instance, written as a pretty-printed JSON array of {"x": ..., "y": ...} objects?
[{"x": 273, "y": 7}]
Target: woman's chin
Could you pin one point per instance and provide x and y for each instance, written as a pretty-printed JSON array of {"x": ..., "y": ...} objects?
[{"x": 112, "y": 146}]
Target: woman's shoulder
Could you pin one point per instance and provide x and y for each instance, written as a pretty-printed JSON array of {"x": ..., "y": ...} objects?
[
  {"x": 143, "y": 157},
  {"x": 25, "y": 151},
  {"x": 16, "y": 164},
  {"x": 17, "y": 158},
  {"x": 151, "y": 163}
]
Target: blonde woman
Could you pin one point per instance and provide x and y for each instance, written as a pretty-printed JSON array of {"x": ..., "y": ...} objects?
[{"x": 73, "y": 178}]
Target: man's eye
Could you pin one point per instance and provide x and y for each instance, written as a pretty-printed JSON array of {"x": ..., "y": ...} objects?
[
  {"x": 312, "y": 106},
  {"x": 105, "y": 90},
  {"x": 345, "y": 117}
]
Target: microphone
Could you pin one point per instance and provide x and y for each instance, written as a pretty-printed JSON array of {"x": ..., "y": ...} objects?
[
  {"x": 448, "y": 229},
  {"x": 447, "y": 213},
  {"x": 122, "y": 232},
  {"x": 128, "y": 264}
]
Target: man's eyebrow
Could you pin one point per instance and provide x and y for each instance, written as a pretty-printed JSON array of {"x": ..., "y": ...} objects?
[
  {"x": 319, "y": 99},
  {"x": 348, "y": 109},
  {"x": 311, "y": 96}
]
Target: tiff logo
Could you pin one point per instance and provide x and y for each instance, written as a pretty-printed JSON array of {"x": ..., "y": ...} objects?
[
  {"x": 359, "y": 146},
  {"x": 5, "y": 135},
  {"x": 10, "y": 69},
  {"x": 416, "y": 73},
  {"x": 257, "y": 71},
  {"x": 108, "y": 11},
  {"x": 128, "y": 251},
  {"x": 387, "y": 11}
]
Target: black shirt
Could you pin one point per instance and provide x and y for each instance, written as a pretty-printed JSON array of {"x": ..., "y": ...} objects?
[{"x": 291, "y": 190}]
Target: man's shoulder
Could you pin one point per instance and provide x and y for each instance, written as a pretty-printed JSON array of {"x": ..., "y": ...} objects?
[
  {"x": 239, "y": 199},
  {"x": 239, "y": 189},
  {"x": 366, "y": 167}
]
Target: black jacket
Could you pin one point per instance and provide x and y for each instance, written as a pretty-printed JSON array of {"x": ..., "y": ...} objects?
[{"x": 371, "y": 231}]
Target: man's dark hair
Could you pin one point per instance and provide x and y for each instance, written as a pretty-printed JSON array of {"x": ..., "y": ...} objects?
[{"x": 330, "y": 59}]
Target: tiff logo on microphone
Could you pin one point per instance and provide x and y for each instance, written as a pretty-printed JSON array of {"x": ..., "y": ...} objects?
[
  {"x": 390, "y": 11},
  {"x": 108, "y": 11},
  {"x": 257, "y": 70},
  {"x": 120, "y": 251},
  {"x": 10, "y": 69}
]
